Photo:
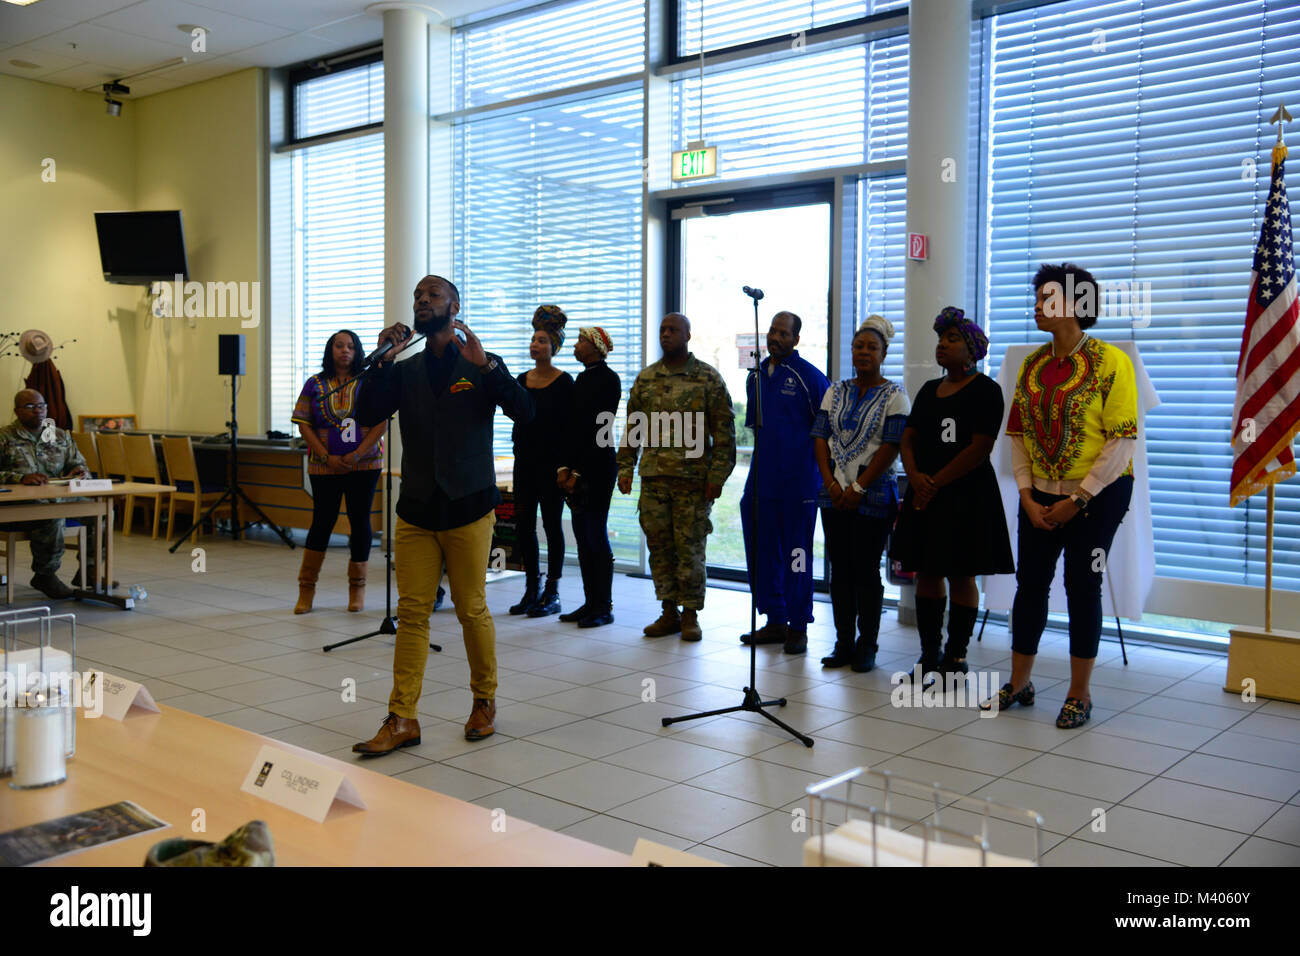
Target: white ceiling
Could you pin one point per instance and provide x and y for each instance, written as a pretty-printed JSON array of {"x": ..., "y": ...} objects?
[{"x": 81, "y": 43}]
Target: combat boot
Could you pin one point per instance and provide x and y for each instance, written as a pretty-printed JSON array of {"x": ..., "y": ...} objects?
[
  {"x": 690, "y": 626},
  {"x": 670, "y": 622}
]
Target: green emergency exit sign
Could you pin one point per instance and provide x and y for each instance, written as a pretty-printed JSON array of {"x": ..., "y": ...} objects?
[{"x": 698, "y": 163}]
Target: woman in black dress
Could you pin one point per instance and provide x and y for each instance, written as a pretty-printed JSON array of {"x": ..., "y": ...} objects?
[
  {"x": 952, "y": 525},
  {"x": 539, "y": 446},
  {"x": 588, "y": 473}
]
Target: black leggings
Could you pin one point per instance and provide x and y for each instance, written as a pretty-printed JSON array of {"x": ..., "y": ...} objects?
[
  {"x": 327, "y": 492},
  {"x": 533, "y": 488}
]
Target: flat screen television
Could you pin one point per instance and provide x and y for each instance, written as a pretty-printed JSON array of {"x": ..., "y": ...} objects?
[{"x": 140, "y": 248}]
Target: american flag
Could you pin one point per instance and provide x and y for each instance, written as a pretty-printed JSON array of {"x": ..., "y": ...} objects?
[{"x": 1266, "y": 416}]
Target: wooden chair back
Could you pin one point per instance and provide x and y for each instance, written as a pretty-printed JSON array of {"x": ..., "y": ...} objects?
[
  {"x": 112, "y": 455},
  {"x": 86, "y": 444},
  {"x": 141, "y": 459},
  {"x": 178, "y": 456}
]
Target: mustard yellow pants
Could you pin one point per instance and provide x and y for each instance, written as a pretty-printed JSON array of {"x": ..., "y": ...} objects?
[{"x": 419, "y": 556}]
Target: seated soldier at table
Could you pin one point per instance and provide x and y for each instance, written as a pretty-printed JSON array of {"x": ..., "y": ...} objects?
[{"x": 32, "y": 451}]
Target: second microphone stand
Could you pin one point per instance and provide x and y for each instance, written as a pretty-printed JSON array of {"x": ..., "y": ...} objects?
[
  {"x": 388, "y": 625},
  {"x": 752, "y": 701}
]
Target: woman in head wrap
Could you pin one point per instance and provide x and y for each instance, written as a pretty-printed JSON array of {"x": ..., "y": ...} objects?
[
  {"x": 952, "y": 524},
  {"x": 538, "y": 449},
  {"x": 588, "y": 472},
  {"x": 855, "y": 438}
]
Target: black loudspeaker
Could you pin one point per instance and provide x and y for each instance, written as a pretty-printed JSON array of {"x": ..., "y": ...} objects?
[{"x": 230, "y": 355}]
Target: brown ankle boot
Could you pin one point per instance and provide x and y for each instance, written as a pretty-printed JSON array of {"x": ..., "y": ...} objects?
[
  {"x": 670, "y": 622},
  {"x": 690, "y": 626},
  {"x": 394, "y": 732},
  {"x": 482, "y": 719},
  {"x": 307, "y": 575},
  {"x": 357, "y": 585}
]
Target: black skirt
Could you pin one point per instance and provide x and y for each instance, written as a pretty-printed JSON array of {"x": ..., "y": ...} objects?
[{"x": 961, "y": 533}]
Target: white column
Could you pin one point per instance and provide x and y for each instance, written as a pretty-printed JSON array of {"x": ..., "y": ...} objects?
[
  {"x": 938, "y": 177},
  {"x": 406, "y": 152}
]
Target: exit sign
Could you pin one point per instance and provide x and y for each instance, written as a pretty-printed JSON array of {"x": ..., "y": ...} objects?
[{"x": 699, "y": 163}]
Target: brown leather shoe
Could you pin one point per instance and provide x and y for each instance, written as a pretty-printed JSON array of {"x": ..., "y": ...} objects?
[
  {"x": 670, "y": 622},
  {"x": 690, "y": 626},
  {"x": 482, "y": 719},
  {"x": 394, "y": 732}
]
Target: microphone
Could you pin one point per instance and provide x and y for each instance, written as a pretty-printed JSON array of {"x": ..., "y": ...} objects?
[
  {"x": 754, "y": 294},
  {"x": 378, "y": 354}
]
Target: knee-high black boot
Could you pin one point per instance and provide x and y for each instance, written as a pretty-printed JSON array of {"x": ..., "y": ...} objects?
[
  {"x": 961, "y": 624},
  {"x": 929, "y": 623}
]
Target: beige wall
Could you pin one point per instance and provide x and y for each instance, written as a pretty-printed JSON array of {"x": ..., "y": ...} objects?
[
  {"x": 50, "y": 276},
  {"x": 198, "y": 149}
]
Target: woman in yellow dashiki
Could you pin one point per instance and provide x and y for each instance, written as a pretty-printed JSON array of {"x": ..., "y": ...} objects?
[{"x": 1073, "y": 429}]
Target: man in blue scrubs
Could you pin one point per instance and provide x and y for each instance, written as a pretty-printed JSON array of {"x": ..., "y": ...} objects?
[{"x": 783, "y": 475}]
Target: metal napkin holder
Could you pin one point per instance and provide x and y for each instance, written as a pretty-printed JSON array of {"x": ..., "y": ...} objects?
[
  {"x": 819, "y": 796},
  {"x": 12, "y": 623}
]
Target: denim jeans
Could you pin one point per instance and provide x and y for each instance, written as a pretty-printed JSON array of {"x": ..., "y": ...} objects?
[{"x": 1086, "y": 540}]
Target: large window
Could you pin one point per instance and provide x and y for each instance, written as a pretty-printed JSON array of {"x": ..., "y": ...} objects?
[
  {"x": 724, "y": 23},
  {"x": 334, "y": 206},
  {"x": 1132, "y": 138},
  {"x": 547, "y": 196}
]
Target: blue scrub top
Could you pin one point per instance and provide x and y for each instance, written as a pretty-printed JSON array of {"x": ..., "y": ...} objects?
[{"x": 784, "y": 466}]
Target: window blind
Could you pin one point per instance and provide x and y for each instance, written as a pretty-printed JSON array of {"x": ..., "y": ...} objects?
[
  {"x": 335, "y": 208},
  {"x": 882, "y": 255},
  {"x": 810, "y": 110},
  {"x": 547, "y": 48},
  {"x": 732, "y": 22},
  {"x": 1132, "y": 138},
  {"x": 338, "y": 101}
]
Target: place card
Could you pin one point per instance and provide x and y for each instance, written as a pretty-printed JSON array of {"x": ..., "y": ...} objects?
[
  {"x": 296, "y": 783},
  {"x": 90, "y": 484},
  {"x": 648, "y": 853},
  {"x": 118, "y": 695}
]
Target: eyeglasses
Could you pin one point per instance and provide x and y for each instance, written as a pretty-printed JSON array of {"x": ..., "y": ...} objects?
[{"x": 35, "y": 405}]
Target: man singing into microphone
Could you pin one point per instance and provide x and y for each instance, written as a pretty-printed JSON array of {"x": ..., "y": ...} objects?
[{"x": 446, "y": 400}]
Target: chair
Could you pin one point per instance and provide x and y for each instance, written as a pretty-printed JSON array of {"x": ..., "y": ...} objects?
[
  {"x": 9, "y": 540},
  {"x": 178, "y": 455},
  {"x": 142, "y": 465},
  {"x": 86, "y": 444},
  {"x": 112, "y": 459}
]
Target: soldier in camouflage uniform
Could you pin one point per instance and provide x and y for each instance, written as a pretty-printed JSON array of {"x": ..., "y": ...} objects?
[
  {"x": 680, "y": 413},
  {"x": 31, "y": 453}
]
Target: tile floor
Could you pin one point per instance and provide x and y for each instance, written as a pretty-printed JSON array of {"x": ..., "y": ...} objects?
[{"x": 1171, "y": 770}]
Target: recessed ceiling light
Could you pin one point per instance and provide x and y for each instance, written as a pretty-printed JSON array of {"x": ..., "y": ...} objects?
[
  {"x": 191, "y": 27},
  {"x": 20, "y": 3},
  {"x": 25, "y": 64}
]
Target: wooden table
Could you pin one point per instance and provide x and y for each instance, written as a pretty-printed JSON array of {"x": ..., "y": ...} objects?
[
  {"x": 33, "y": 503},
  {"x": 175, "y": 762}
]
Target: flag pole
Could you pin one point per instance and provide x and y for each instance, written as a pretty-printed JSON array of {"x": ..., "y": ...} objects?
[{"x": 1268, "y": 565}]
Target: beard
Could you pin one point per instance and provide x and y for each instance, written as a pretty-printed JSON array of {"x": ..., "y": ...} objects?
[{"x": 434, "y": 325}]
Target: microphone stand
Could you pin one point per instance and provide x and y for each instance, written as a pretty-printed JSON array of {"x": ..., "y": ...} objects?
[
  {"x": 753, "y": 701},
  {"x": 388, "y": 626}
]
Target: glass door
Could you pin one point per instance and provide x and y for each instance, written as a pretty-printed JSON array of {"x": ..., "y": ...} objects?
[{"x": 779, "y": 242}]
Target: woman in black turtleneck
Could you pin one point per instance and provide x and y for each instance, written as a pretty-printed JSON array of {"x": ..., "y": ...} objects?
[
  {"x": 588, "y": 471},
  {"x": 538, "y": 448}
]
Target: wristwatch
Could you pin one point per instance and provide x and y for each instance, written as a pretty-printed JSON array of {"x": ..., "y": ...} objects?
[
  {"x": 490, "y": 366},
  {"x": 1080, "y": 500}
]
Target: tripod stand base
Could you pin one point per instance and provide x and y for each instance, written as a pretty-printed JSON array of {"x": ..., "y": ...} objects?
[
  {"x": 752, "y": 703},
  {"x": 387, "y": 626}
]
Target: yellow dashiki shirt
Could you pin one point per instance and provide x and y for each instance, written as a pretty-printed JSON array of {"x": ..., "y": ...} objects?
[
  {"x": 1065, "y": 410},
  {"x": 332, "y": 418}
]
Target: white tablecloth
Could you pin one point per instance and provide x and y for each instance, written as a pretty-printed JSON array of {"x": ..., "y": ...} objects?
[{"x": 1130, "y": 567}]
